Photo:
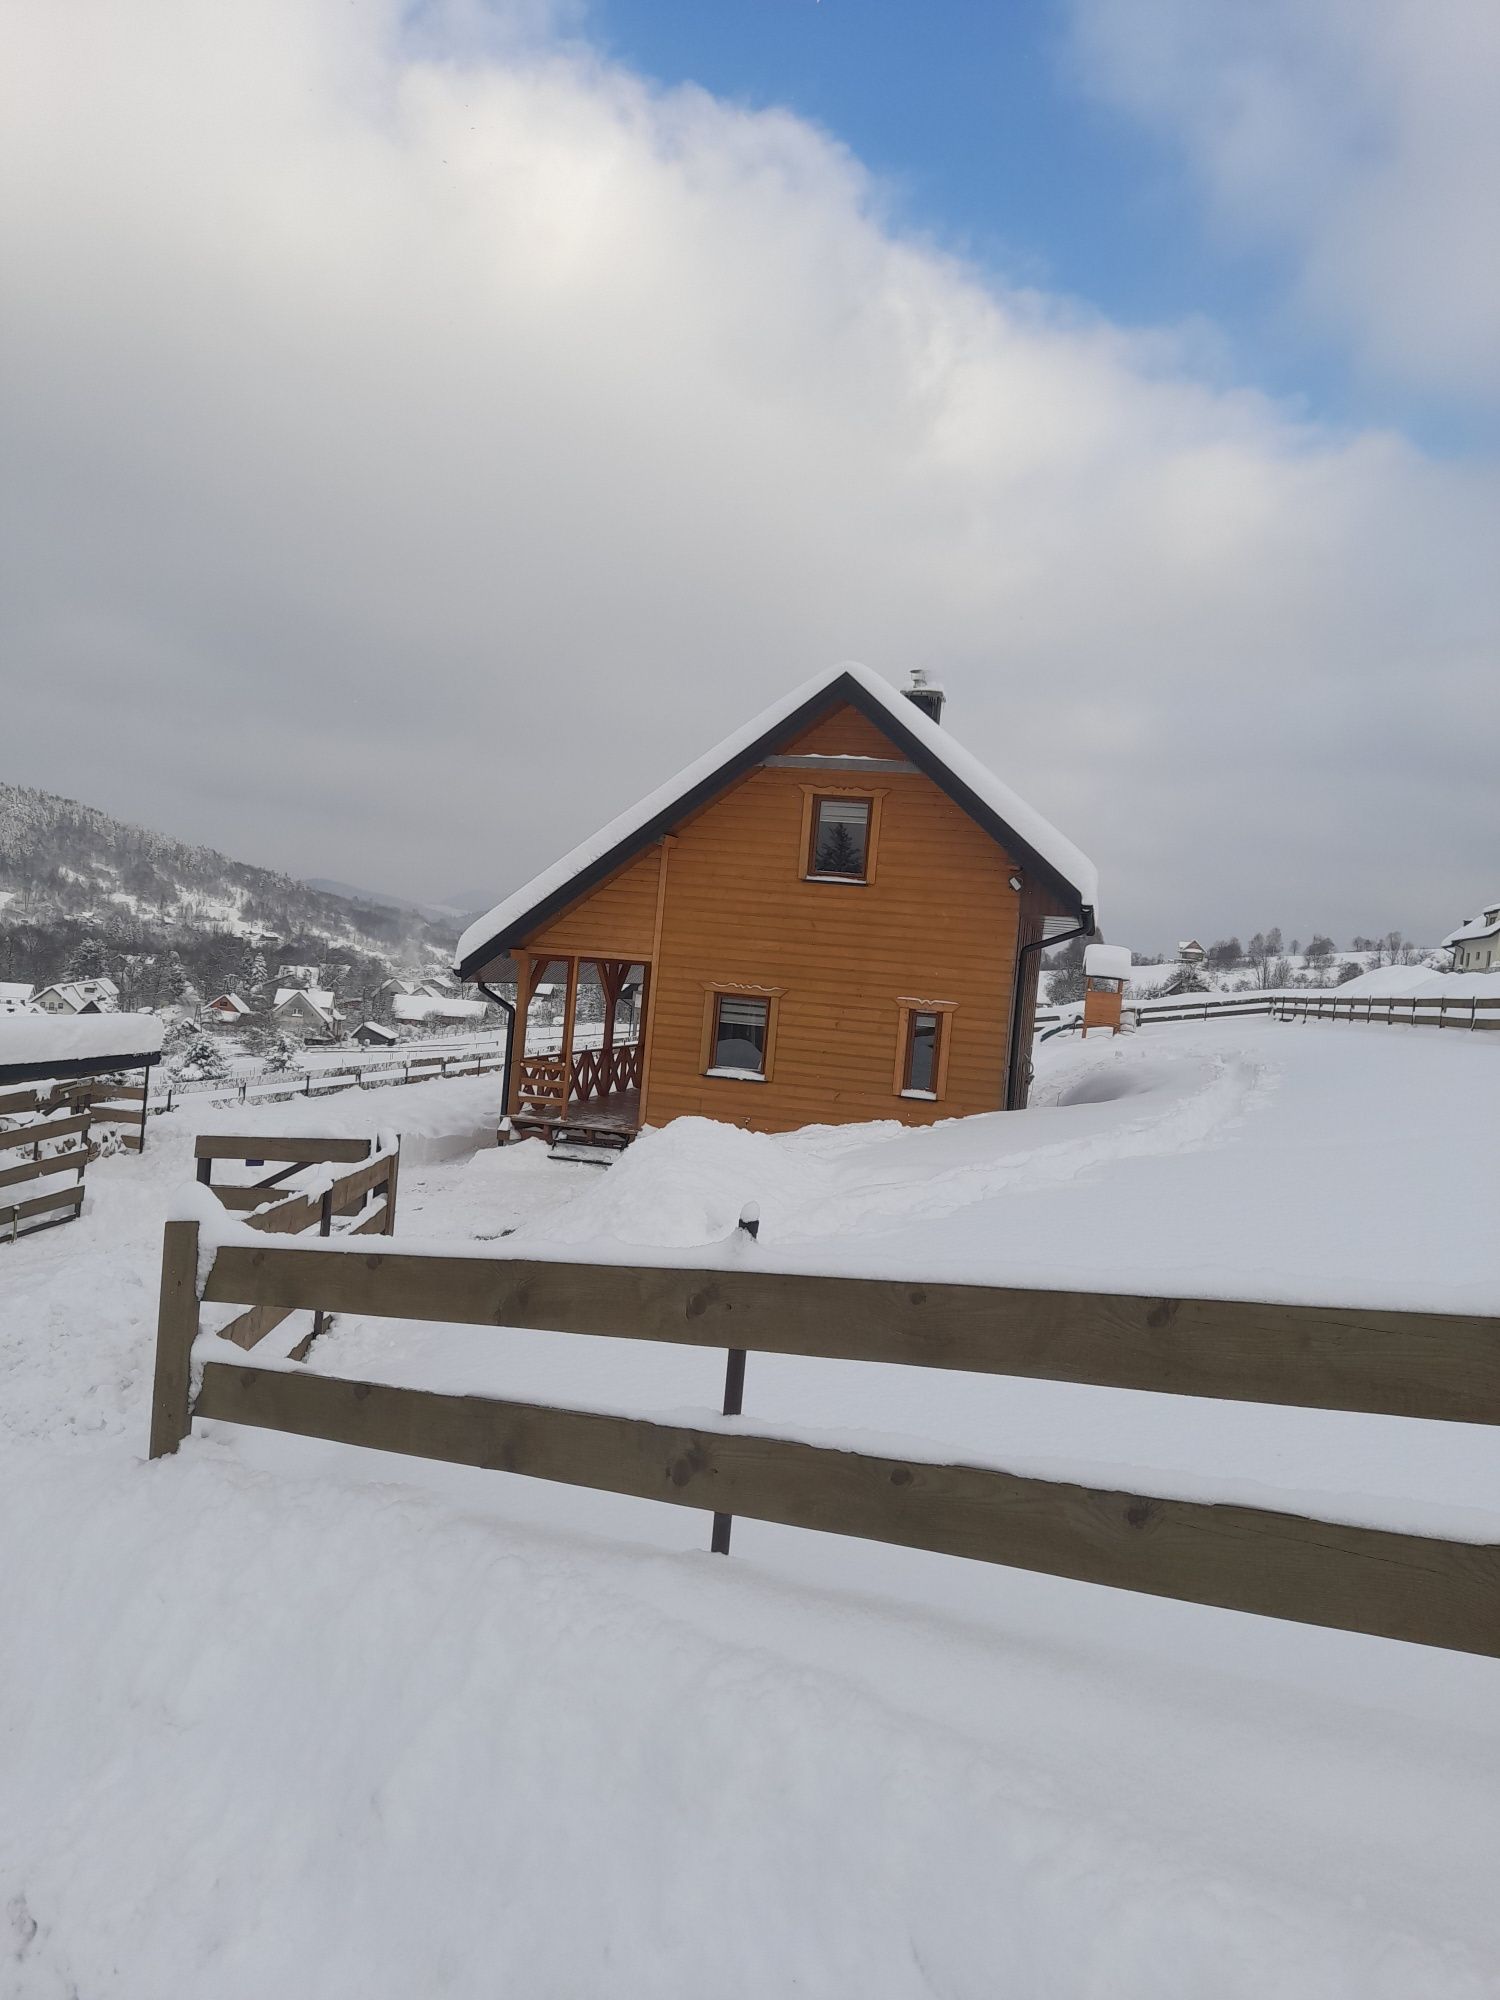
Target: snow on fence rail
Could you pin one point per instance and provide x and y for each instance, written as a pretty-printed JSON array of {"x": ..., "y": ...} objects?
[
  {"x": 325, "y": 1205},
  {"x": 276, "y": 1088},
  {"x": 1434, "y": 1010},
  {"x": 1282, "y": 1565}
]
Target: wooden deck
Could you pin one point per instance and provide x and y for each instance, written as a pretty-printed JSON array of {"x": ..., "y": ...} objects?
[{"x": 614, "y": 1118}]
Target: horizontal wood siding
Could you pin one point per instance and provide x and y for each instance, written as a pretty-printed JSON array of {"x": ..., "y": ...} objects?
[
  {"x": 845, "y": 733},
  {"x": 937, "y": 922},
  {"x": 615, "y": 921}
]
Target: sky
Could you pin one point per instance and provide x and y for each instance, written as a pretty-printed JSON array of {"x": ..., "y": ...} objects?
[{"x": 426, "y": 427}]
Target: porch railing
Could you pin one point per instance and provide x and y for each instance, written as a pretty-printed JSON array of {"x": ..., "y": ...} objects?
[
  {"x": 591, "y": 1073},
  {"x": 598, "y": 1072}
]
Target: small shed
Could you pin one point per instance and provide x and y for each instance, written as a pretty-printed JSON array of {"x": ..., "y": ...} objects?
[
  {"x": 1106, "y": 968},
  {"x": 375, "y": 1035},
  {"x": 45, "y": 1129}
]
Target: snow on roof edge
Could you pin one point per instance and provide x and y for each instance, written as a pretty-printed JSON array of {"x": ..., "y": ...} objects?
[
  {"x": 27, "y": 1038},
  {"x": 1038, "y": 833}
]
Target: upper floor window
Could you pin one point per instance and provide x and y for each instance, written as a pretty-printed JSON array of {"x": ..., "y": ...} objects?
[{"x": 839, "y": 849}]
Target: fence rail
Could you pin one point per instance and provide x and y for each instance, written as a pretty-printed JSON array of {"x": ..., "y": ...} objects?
[
  {"x": 375, "y": 1075},
  {"x": 50, "y": 1117},
  {"x": 1391, "y": 1010},
  {"x": 278, "y": 1211},
  {"x": 1285, "y": 1565}
]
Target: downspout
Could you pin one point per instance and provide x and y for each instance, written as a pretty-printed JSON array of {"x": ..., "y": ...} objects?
[
  {"x": 1018, "y": 1000},
  {"x": 510, "y": 1035}
]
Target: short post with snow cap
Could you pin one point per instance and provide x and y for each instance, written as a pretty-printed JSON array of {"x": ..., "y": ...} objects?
[
  {"x": 1106, "y": 967},
  {"x": 734, "y": 1385},
  {"x": 176, "y": 1330}
]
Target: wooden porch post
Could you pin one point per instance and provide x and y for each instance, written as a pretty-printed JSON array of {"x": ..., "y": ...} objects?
[
  {"x": 570, "y": 1006},
  {"x": 613, "y": 973},
  {"x": 669, "y": 841},
  {"x": 524, "y": 985}
]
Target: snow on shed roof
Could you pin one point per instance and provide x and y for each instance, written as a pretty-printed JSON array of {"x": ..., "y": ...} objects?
[
  {"x": 29, "y": 1041},
  {"x": 1106, "y": 961},
  {"x": 1032, "y": 839}
]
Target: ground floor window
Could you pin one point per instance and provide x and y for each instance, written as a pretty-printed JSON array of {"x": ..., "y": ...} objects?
[
  {"x": 739, "y": 1032},
  {"x": 922, "y": 1048}
]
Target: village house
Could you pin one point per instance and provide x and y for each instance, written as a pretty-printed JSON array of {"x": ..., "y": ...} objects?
[
  {"x": 429, "y": 1009},
  {"x": 305, "y": 1011},
  {"x": 227, "y": 1011},
  {"x": 1190, "y": 952},
  {"x": 838, "y": 914},
  {"x": 77, "y": 996},
  {"x": 15, "y": 996},
  {"x": 1476, "y": 943}
]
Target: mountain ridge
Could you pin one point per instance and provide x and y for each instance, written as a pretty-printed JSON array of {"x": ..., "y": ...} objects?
[{"x": 83, "y": 893}]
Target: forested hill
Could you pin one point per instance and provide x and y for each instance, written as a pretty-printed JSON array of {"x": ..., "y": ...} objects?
[{"x": 82, "y": 894}]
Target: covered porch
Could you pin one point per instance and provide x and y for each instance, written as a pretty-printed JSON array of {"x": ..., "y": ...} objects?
[{"x": 578, "y": 1047}]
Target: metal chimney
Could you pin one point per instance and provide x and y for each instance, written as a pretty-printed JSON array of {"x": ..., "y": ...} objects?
[{"x": 927, "y": 697}]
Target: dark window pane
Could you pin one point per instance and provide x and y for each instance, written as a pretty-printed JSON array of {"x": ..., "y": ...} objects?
[
  {"x": 921, "y": 1063},
  {"x": 841, "y": 836},
  {"x": 740, "y": 1034}
]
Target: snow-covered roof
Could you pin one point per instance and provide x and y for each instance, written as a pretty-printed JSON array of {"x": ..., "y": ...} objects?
[
  {"x": 1486, "y": 924},
  {"x": 1032, "y": 839},
  {"x": 1418, "y": 982},
  {"x": 1189, "y": 944},
  {"x": 316, "y": 995},
  {"x": 81, "y": 993},
  {"x": 435, "y": 1007},
  {"x": 1106, "y": 961},
  {"x": 30, "y": 1040},
  {"x": 378, "y": 1029},
  {"x": 231, "y": 1003},
  {"x": 14, "y": 990}
]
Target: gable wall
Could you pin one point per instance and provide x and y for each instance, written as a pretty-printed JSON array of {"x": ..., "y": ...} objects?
[
  {"x": 618, "y": 920},
  {"x": 939, "y": 922}
]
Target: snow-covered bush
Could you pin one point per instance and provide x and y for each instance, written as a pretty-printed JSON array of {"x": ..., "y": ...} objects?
[{"x": 196, "y": 1056}]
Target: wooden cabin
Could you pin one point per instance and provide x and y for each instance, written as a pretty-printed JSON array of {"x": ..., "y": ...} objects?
[{"x": 836, "y": 915}]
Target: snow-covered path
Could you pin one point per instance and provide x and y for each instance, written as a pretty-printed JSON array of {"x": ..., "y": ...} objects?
[{"x": 283, "y": 1718}]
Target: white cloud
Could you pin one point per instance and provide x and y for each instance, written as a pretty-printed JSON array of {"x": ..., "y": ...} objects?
[
  {"x": 1360, "y": 136},
  {"x": 413, "y": 461}
]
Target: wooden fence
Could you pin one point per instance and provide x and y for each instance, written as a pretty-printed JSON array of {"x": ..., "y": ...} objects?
[
  {"x": 1436, "y": 1366},
  {"x": 266, "y": 1205},
  {"x": 50, "y": 1118},
  {"x": 1397, "y": 1010},
  {"x": 121, "y": 1106},
  {"x": 373, "y": 1075}
]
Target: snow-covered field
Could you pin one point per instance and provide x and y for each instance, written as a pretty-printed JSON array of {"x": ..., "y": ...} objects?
[{"x": 282, "y": 1718}]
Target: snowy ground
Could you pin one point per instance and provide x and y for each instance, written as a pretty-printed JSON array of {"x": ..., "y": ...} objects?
[{"x": 281, "y": 1718}]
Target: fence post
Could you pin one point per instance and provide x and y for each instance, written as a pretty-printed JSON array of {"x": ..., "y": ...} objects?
[
  {"x": 390, "y": 1193},
  {"x": 325, "y": 1228},
  {"x": 176, "y": 1330},
  {"x": 734, "y": 1403}
]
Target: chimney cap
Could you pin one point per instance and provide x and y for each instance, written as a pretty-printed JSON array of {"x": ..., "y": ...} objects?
[{"x": 925, "y": 693}]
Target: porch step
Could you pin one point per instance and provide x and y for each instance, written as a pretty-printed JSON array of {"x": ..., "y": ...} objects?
[{"x": 586, "y": 1152}]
